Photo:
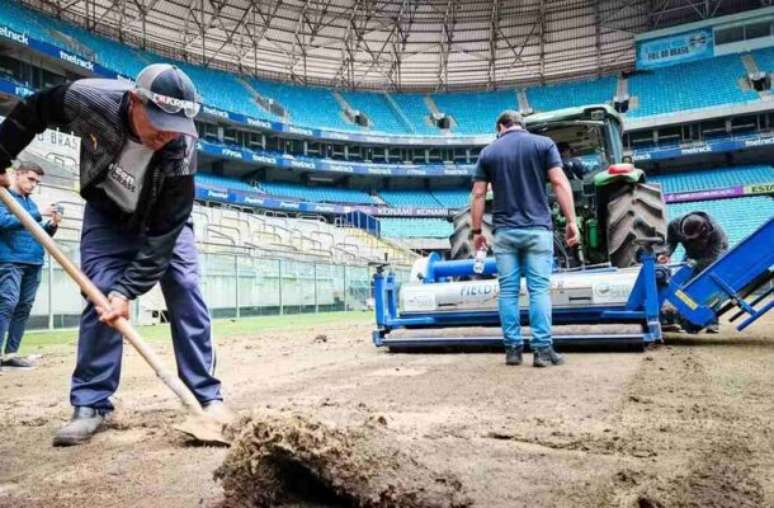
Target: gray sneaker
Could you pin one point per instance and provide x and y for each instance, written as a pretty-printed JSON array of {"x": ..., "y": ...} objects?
[
  {"x": 86, "y": 422},
  {"x": 17, "y": 362},
  {"x": 219, "y": 412},
  {"x": 546, "y": 356}
]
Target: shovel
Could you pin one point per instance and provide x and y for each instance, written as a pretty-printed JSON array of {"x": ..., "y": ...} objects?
[{"x": 198, "y": 425}]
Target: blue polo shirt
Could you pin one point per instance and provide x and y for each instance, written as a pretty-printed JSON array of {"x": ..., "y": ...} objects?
[{"x": 517, "y": 164}]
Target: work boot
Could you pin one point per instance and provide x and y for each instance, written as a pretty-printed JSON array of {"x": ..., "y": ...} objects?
[
  {"x": 513, "y": 355},
  {"x": 18, "y": 362},
  {"x": 546, "y": 356},
  {"x": 86, "y": 421},
  {"x": 219, "y": 412}
]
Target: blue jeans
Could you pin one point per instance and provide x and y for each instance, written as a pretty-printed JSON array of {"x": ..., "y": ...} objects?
[
  {"x": 106, "y": 251},
  {"x": 18, "y": 285},
  {"x": 528, "y": 251}
]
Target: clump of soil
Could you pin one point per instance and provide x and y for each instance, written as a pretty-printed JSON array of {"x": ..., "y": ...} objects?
[{"x": 278, "y": 460}]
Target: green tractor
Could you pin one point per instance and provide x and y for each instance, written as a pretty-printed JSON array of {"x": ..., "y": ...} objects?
[{"x": 614, "y": 204}]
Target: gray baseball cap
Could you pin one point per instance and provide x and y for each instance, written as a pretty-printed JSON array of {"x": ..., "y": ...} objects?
[{"x": 170, "y": 98}]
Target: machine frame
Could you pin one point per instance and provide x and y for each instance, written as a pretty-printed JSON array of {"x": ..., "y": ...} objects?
[{"x": 699, "y": 299}]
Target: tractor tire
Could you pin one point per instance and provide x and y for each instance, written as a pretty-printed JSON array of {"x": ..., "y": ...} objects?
[
  {"x": 634, "y": 212},
  {"x": 460, "y": 240}
]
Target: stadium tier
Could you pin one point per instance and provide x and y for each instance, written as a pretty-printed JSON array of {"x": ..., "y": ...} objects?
[
  {"x": 452, "y": 198},
  {"x": 716, "y": 178},
  {"x": 316, "y": 194},
  {"x": 415, "y": 108},
  {"x": 413, "y": 198},
  {"x": 381, "y": 114},
  {"x": 309, "y": 106},
  {"x": 565, "y": 95},
  {"x": 765, "y": 59},
  {"x": 416, "y": 228},
  {"x": 694, "y": 85},
  {"x": 475, "y": 112},
  {"x": 224, "y": 183}
]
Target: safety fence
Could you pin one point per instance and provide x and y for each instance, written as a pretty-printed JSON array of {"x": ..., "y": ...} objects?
[{"x": 235, "y": 285}]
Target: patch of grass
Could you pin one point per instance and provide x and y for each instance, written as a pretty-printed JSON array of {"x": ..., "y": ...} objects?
[{"x": 35, "y": 341}]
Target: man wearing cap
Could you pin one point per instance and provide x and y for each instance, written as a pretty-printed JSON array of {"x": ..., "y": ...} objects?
[
  {"x": 702, "y": 238},
  {"x": 519, "y": 165},
  {"x": 138, "y": 159}
]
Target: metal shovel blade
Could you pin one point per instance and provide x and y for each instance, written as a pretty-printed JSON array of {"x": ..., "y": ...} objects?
[{"x": 203, "y": 429}]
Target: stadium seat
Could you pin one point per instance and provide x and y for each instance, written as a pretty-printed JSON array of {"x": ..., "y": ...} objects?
[
  {"x": 565, "y": 95},
  {"x": 476, "y": 112},
  {"x": 410, "y": 198},
  {"x": 453, "y": 198},
  {"x": 415, "y": 228},
  {"x": 316, "y": 194},
  {"x": 715, "y": 178},
  {"x": 297, "y": 100},
  {"x": 688, "y": 86},
  {"x": 376, "y": 107},
  {"x": 414, "y": 107},
  {"x": 224, "y": 182}
]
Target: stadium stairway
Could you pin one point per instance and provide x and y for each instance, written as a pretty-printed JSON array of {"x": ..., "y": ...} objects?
[
  {"x": 395, "y": 253},
  {"x": 399, "y": 113}
]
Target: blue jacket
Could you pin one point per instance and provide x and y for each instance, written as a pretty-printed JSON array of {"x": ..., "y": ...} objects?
[{"x": 17, "y": 245}]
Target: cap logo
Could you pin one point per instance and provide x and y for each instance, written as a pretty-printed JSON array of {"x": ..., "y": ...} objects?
[{"x": 172, "y": 101}]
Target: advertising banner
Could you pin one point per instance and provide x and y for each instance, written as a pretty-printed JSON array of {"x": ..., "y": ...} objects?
[
  {"x": 677, "y": 48},
  {"x": 724, "y": 193}
]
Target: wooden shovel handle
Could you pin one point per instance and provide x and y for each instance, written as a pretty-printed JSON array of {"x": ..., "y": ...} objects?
[{"x": 98, "y": 298}]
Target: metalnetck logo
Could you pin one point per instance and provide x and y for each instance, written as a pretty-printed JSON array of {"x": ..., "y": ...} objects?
[{"x": 14, "y": 36}]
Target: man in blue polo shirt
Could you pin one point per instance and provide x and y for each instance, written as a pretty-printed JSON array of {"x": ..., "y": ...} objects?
[
  {"x": 21, "y": 259},
  {"x": 519, "y": 164}
]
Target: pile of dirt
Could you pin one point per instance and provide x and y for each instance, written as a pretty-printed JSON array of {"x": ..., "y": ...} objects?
[{"x": 289, "y": 459}]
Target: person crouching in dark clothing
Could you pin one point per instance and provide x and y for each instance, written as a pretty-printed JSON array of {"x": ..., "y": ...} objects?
[
  {"x": 700, "y": 235},
  {"x": 702, "y": 238}
]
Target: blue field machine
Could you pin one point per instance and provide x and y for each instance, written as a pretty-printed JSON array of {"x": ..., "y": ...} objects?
[{"x": 447, "y": 294}]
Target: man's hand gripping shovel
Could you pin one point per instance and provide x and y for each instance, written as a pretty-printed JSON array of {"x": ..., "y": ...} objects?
[{"x": 198, "y": 425}]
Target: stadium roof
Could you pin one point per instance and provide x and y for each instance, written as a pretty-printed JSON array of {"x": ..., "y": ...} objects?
[{"x": 395, "y": 44}]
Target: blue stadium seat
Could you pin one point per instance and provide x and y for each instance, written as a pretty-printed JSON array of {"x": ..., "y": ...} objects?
[
  {"x": 476, "y": 112},
  {"x": 316, "y": 194},
  {"x": 224, "y": 182},
  {"x": 413, "y": 198},
  {"x": 693, "y": 85},
  {"x": 764, "y": 58},
  {"x": 453, "y": 198},
  {"x": 715, "y": 178},
  {"x": 223, "y": 90},
  {"x": 413, "y": 106},
  {"x": 382, "y": 115},
  {"x": 415, "y": 228},
  {"x": 308, "y": 106},
  {"x": 565, "y": 95}
]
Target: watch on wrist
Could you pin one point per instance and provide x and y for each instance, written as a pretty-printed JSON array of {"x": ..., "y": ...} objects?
[{"x": 474, "y": 232}]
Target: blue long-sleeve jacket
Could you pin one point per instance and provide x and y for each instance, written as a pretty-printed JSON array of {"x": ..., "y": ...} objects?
[{"x": 17, "y": 245}]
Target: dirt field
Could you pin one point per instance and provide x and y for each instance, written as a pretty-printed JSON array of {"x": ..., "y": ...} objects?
[{"x": 686, "y": 424}]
